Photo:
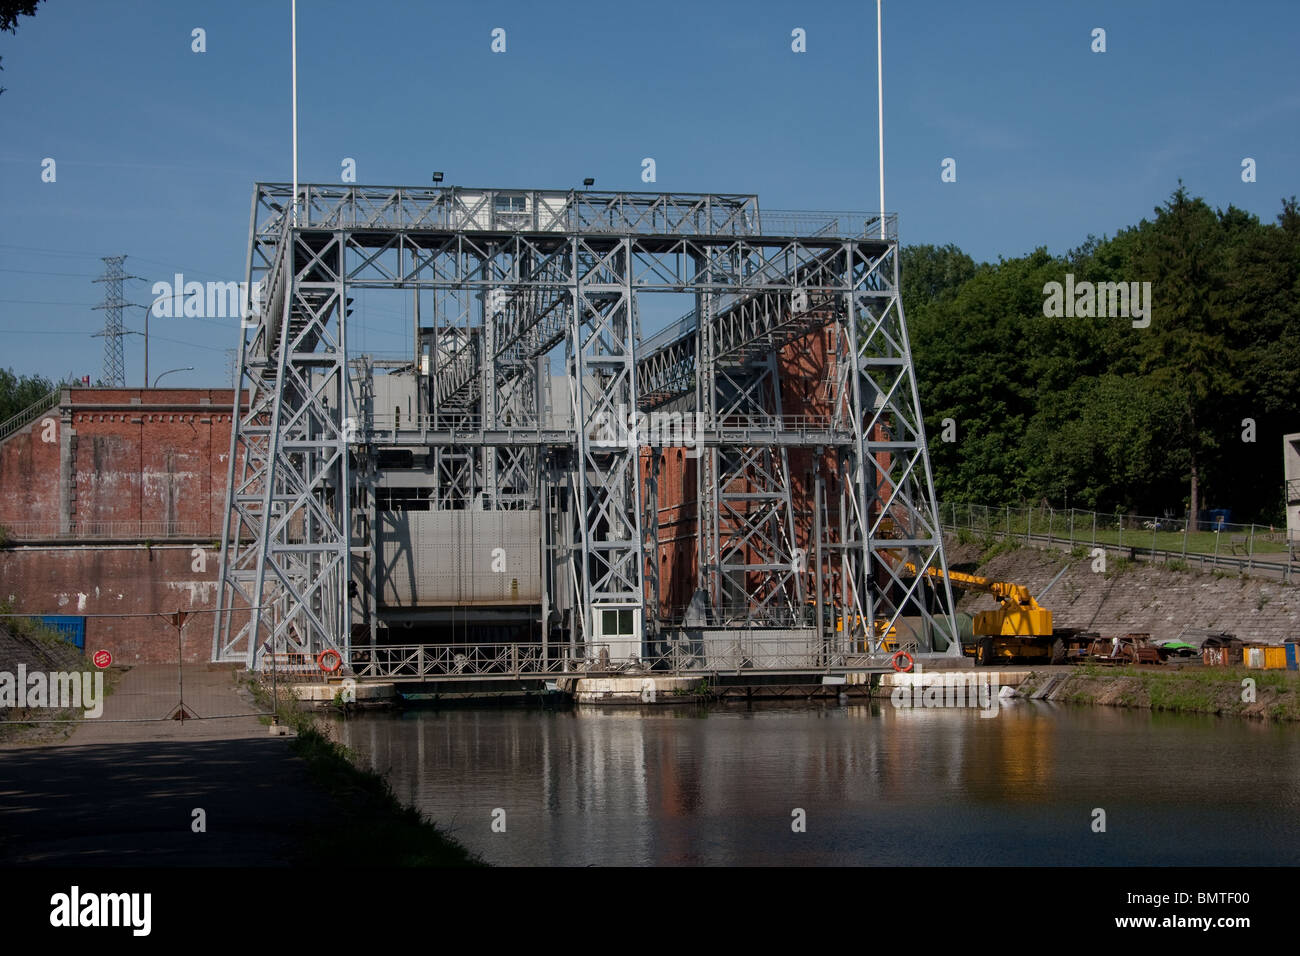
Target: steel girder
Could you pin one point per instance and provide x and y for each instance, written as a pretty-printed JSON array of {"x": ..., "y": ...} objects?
[
  {"x": 601, "y": 357},
  {"x": 891, "y": 512},
  {"x": 286, "y": 561},
  {"x": 565, "y": 269},
  {"x": 751, "y": 563}
]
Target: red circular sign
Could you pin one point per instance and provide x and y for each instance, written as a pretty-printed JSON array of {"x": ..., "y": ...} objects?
[{"x": 102, "y": 659}]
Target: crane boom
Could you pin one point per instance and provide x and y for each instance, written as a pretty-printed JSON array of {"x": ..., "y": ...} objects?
[{"x": 1019, "y": 615}]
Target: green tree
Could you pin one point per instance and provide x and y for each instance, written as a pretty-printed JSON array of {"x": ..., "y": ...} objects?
[
  {"x": 1186, "y": 351},
  {"x": 1094, "y": 411},
  {"x": 10, "y": 11},
  {"x": 931, "y": 272},
  {"x": 17, "y": 392}
]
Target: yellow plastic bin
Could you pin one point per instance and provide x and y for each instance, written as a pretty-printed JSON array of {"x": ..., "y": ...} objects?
[{"x": 1275, "y": 658}]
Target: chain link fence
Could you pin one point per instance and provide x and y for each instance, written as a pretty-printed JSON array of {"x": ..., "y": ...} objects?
[
  {"x": 56, "y": 678},
  {"x": 1211, "y": 542}
]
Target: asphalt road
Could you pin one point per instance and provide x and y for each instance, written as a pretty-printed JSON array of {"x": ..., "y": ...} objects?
[{"x": 125, "y": 794}]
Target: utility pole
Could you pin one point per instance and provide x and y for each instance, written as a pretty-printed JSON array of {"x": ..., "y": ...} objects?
[{"x": 114, "y": 371}]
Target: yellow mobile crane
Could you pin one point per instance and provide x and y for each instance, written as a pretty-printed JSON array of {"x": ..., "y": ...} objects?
[{"x": 1019, "y": 628}]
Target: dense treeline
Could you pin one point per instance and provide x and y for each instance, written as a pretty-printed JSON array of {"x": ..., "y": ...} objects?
[
  {"x": 1093, "y": 412},
  {"x": 19, "y": 391}
]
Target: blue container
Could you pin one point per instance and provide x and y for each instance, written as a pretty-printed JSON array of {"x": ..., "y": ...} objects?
[
  {"x": 71, "y": 627},
  {"x": 1219, "y": 518},
  {"x": 1291, "y": 661}
]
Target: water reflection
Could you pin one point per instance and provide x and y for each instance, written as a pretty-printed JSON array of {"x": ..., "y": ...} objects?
[{"x": 674, "y": 785}]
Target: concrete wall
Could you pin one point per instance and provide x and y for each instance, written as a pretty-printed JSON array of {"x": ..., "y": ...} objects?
[{"x": 432, "y": 558}]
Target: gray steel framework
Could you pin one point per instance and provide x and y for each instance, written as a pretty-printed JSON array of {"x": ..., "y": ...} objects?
[
  {"x": 114, "y": 368},
  {"x": 522, "y": 278}
]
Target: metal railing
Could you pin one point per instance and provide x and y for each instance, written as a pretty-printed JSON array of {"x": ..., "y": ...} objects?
[
  {"x": 758, "y": 654},
  {"x": 30, "y": 413},
  {"x": 847, "y": 225},
  {"x": 1205, "y": 543},
  {"x": 562, "y": 211},
  {"x": 659, "y": 427},
  {"x": 697, "y": 653},
  {"x": 430, "y": 661},
  {"x": 678, "y": 328}
]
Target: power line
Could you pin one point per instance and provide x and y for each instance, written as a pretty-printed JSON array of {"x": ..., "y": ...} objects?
[
  {"x": 42, "y": 272},
  {"x": 31, "y": 332},
  {"x": 52, "y": 252},
  {"x": 93, "y": 255},
  {"x": 84, "y": 305}
]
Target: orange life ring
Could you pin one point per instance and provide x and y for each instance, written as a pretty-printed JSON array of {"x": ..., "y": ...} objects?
[
  {"x": 329, "y": 652},
  {"x": 893, "y": 662}
]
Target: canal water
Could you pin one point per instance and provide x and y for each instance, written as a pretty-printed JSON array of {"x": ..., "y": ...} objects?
[{"x": 724, "y": 785}]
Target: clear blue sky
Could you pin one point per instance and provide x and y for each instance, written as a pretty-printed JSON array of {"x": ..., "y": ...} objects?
[{"x": 158, "y": 147}]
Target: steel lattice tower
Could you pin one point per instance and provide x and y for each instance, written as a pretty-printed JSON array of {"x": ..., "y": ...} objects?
[
  {"x": 525, "y": 280},
  {"x": 114, "y": 370}
]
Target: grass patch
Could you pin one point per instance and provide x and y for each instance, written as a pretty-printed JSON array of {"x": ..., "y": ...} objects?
[
  {"x": 1194, "y": 690},
  {"x": 1183, "y": 697},
  {"x": 1117, "y": 566},
  {"x": 51, "y": 652},
  {"x": 381, "y": 830},
  {"x": 994, "y": 548}
]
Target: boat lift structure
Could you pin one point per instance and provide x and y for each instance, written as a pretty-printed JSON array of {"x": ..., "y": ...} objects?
[{"x": 540, "y": 444}]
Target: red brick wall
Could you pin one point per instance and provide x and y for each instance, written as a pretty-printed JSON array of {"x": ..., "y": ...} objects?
[
  {"x": 29, "y": 472},
  {"x": 805, "y": 367},
  {"x": 678, "y": 526},
  {"x": 162, "y": 460},
  {"x": 119, "y": 580}
]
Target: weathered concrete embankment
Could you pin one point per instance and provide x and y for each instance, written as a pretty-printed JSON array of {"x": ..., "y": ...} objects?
[{"x": 1226, "y": 692}]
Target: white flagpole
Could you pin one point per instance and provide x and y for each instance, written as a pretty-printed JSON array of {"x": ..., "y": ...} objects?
[
  {"x": 294, "y": 34},
  {"x": 880, "y": 113}
]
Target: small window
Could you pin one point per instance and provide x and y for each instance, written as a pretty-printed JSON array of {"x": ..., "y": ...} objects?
[
  {"x": 509, "y": 203},
  {"x": 616, "y": 624}
]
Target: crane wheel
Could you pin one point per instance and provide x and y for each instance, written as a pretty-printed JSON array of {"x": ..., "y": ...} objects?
[
  {"x": 984, "y": 652},
  {"x": 1058, "y": 651}
]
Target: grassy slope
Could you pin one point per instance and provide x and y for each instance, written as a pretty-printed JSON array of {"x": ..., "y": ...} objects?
[
  {"x": 381, "y": 830},
  {"x": 1209, "y": 690}
]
